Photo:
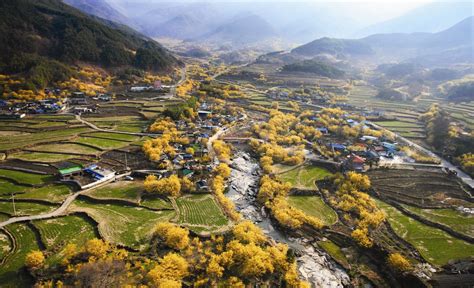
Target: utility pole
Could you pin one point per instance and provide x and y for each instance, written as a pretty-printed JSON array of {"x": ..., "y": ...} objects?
[
  {"x": 13, "y": 202},
  {"x": 126, "y": 161}
]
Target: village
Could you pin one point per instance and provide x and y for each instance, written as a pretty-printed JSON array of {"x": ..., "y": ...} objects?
[{"x": 157, "y": 155}]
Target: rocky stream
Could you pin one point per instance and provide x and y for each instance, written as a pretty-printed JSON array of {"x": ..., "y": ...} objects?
[{"x": 314, "y": 265}]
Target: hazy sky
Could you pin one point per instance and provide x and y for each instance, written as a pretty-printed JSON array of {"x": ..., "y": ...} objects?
[{"x": 378, "y": 10}]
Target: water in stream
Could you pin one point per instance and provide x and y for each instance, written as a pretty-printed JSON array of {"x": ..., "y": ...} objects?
[{"x": 314, "y": 266}]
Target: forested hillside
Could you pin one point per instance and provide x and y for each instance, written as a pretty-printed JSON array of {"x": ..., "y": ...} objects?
[
  {"x": 41, "y": 38},
  {"x": 314, "y": 67}
]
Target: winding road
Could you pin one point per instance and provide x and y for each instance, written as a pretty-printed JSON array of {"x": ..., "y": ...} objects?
[{"x": 61, "y": 210}]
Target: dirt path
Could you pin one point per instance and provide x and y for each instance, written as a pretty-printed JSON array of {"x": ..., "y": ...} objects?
[
  {"x": 61, "y": 209},
  {"x": 93, "y": 126}
]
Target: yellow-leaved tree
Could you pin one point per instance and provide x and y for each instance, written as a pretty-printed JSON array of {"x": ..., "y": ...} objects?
[
  {"x": 34, "y": 259},
  {"x": 169, "y": 272},
  {"x": 222, "y": 170},
  {"x": 170, "y": 186},
  {"x": 397, "y": 262},
  {"x": 97, "y": 248},
  {"x": 174, "y": 236}
]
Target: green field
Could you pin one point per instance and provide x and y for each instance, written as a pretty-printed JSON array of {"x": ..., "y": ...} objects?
[
  {"x": 303, "y": 177},
  {"x": 25, "y": 241},
  {"x": 41, "y": 156},
  {"x": 456, "y": 220},
  {"x": 25, "y": 178},
  {"x": 135, "y": 126},
  {"x": 125, "y": 225},
  {"x": 435, "y": 245},
  {"x": 7, "y": 187},
  {"x": 66, "y": 148},
  {"x": 200, "y": 211},
  {"x": 119, "y": 190},
  {"x": 398, "y": 124},
  {"x": 25, "y": 208},
  {"x": 314, "y": 206},
  {"x": 48, "y": 124},
  {"x": 102, "y": 143},
  {"x": 113, "y": 136},
  {"x": 53, "y": 193}
]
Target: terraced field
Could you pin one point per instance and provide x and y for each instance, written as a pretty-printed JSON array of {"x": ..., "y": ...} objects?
[
  {"x": 304, "y": 177},
  {"x": 407, "y": 127},
  {"x": 20, "y": 141},
  {"x": 102, "y": 143},
  {"x": 420, "y": 187},
  {"x": 72, "y": 148},
  {"x": 113, "y": 136},
  {"x": 56, "y": 233},
  {"x": 156, "y": 203},
  {"x": 435, "y": 245},
  {"x": 454, "y": 219},
  {"x": 364, "y": 96},
  {"x": 124, "y": 225},
  {"x": 5, "y": 245},
  {"x": 314, "y": 206},
  {"x": 200, "y": 213},
  {"x": 24, "y": 177},
  {"x": 119, "y": 190},
  {"x": 54, "y": 193},
  {"x": 25, "y": 241},
  {"x": 25, "y": 208},
  {"x": 41, "y": 156}
]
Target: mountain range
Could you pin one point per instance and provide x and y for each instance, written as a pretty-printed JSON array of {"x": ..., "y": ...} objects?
[
  {"x": 452, "y": 44},
  {"x": 431, "y": 17},
  {"x": 292, "y": 23}
]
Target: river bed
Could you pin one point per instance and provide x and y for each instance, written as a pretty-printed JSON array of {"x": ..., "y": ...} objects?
[{"x": 314, "y": 266}]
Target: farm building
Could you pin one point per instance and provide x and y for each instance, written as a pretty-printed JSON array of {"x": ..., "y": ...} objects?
[
  {"x": 68, "y": 170},
  {"x": 78, "y": 98}
]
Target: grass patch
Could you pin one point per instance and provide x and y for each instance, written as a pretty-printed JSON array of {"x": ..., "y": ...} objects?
[
  {"x": 156, "y": 203},
  {"x": 314, "y": 206},
  {"x": 304, "y": 176},
  {"x": 454, "y": 219},
  {"x": 125, "y": 225},
  {"x": 435, "y": 245},
  {"x": 104, "y": 144},
  {"x": 200, "y": 211},
  {"x": 25, "y": 178},
  {"x": 334, "y": 251},
  {"x": 119, "y": 190}
]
